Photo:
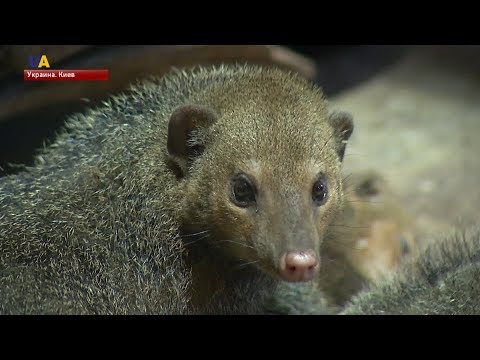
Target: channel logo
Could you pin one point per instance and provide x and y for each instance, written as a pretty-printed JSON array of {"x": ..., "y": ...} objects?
[{"x": 40, "y": 71}]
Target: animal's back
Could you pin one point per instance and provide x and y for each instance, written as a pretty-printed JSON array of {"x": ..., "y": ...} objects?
[
  {"x": 444, "y": 280},
  {"x": 80, "y": 227}
]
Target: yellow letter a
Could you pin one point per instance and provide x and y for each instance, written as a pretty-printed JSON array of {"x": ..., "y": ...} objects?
[{"x": 44, "y": 62}]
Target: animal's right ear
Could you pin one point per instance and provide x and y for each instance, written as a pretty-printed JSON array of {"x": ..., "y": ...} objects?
[
  {"x": 185, "y": 140},
  {"x": 342, "y": 123}
]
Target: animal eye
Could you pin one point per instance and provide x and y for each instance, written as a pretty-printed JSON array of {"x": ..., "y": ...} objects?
[
  {"x": 320, "y": 191},
  {"x": 243, "y": 192}
]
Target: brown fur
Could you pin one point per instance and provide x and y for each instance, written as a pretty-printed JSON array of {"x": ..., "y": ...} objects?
[
  {"x": 372, "y": 237},
  {"x": 122, "y": 214}
]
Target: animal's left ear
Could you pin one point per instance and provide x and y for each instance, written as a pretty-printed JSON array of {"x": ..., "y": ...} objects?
[
  {"x": 184, "y": 144},
  {"x": 342, "y": 123}
]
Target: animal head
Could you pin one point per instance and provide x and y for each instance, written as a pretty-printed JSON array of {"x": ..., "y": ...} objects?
[{"x": 259, "y": 162}]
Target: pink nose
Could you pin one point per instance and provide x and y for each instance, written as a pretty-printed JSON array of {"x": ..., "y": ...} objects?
[{"x": 298, "y": 266}]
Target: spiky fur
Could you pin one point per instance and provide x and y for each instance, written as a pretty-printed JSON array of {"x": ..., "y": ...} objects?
[
  {"x": 96, "y": 226},
  {"x": 445, "y": 280}
]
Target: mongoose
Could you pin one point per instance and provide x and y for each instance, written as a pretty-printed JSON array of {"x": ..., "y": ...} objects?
[
  {"x": 196, "y": 193},
  {"x": 370, "y": 238},
  {"x": 443, "y": 280}
]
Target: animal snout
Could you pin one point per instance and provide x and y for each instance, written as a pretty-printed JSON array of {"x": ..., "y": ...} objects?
[{"x": 296, "y": 266}]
